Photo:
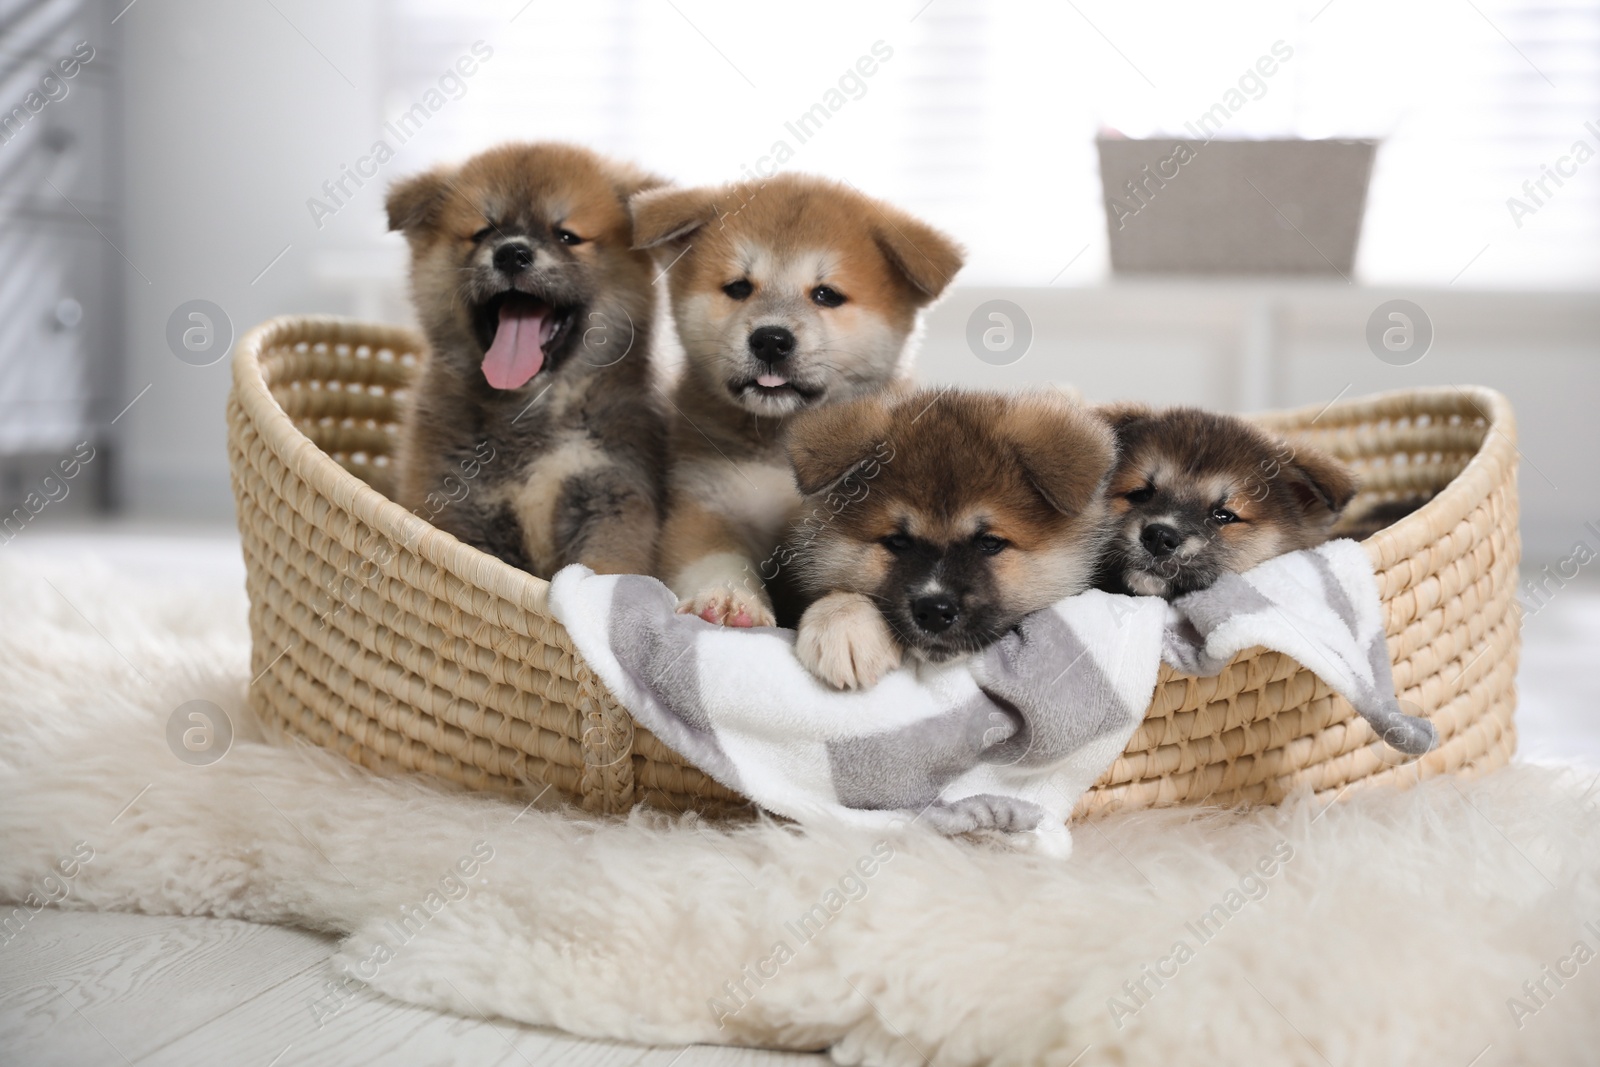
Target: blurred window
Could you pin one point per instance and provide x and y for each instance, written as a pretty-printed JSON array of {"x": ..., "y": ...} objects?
[{"x": 982, "y": 116}]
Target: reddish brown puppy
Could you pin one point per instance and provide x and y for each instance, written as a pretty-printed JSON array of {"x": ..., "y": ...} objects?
[
  {"x": 532, "y": 431},
  {"x": 937, "y": 521},
  {"x": 789, "y": 295}
]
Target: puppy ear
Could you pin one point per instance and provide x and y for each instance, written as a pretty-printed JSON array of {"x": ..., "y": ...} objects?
[
  {"x": 413, "y": 203},
  {"x": 829, "y": 442},
  {"x": 1066, "y": 450},
  {"x": 629, "y": 180},
  {"x": 926, "y": 258},
  {"x": 1322, "y": 486},
  {"x": 663, "y": 215},
  {"x": 1120, "y": 416}
]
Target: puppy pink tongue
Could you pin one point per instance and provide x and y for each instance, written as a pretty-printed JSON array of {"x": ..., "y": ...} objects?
[
  {"x": 772, "y": 381},
  {"x": 517, "y": 351}
]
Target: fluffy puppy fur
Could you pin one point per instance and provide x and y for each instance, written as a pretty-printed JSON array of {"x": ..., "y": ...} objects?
[
  {"x": 531, "y": 432},
  {"x": 788, "y": 295},
  {"x": 937, "y": 521},
  {"x": 1197, "y": 495}
]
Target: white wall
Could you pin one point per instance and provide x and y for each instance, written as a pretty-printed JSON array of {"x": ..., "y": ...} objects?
[{"x": 231, "y": 121}]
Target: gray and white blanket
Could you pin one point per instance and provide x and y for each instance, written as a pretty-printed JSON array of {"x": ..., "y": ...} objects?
[{"x": 1007, "y": 739}]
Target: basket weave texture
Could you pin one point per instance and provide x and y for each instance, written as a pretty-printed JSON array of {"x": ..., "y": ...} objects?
[{"x": 383, "y": 638}]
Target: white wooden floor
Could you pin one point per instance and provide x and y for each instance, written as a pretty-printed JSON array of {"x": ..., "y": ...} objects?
[{"x": 81, "y": 988}]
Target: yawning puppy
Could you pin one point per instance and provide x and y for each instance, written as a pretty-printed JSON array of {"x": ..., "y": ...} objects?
[
  {"x": 788, "y": 295},
  {"x": 531, "y": 433},
  {"x": 1198, "y": 495},
  {"x": 937, "y": 521}
]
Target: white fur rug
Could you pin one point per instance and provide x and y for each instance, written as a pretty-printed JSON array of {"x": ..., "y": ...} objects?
[{"x": 1403, "y": 929}]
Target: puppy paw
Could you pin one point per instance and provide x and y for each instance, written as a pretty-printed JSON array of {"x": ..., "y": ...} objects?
[
  {"x": 844, "y": 641},
  {"x": 729, "y": 606}
]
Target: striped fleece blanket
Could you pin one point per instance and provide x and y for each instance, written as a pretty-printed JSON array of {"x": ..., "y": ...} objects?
[{"x": 1006, "y": 740}]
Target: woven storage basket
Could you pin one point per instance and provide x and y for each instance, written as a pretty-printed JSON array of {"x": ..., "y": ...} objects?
[{"x": 385, "y": 639}]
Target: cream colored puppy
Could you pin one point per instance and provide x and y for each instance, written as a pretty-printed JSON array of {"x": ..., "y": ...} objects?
[{"x": 788, "y": 295}]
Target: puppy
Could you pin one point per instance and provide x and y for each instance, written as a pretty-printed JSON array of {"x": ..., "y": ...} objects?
[
  {"x": 788, "y": 295},
  {"x": 936, "y": 521},
  {"x": 531, "y": 432},
  {"x": 1380, "y": 515},
  {"x": 1197, "y": 495}
]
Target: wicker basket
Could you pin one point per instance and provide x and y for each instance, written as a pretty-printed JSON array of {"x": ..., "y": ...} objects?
[{"x": 379, "y": 636}]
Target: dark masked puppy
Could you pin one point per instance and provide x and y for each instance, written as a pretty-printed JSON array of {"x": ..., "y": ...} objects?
[
  {"x": 936, "y": 521},
  {"x": 1197, "y": 495},
  {"x": 788, "y": 295},
  {"x": 531, "y": 432}
]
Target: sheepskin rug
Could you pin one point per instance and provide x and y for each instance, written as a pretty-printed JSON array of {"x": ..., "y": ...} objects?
[{"x": 1453, "y": 924}]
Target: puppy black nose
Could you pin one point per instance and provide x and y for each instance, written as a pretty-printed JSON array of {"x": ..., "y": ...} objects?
[
  {"x": 1160, "y": 540},
  {"x": 770, "y": 344},
  {"x": 513, "y": 258},
  {"x": 934, "y": 613}
]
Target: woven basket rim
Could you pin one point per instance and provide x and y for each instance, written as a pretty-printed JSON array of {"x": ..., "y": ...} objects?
[
  {"x": 323, "y": 473},
  {"x": 400, "y": 684}
]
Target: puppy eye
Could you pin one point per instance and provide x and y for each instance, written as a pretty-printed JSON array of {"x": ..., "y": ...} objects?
[
  {"x": 481, "y": 234},
  {"x": 739, "y": 290},
  {"x": 1139, "y": 496},
  {"x": 896, "y": 543},
  {"x": 1222, "y": 516},
  {"x": 823, "y": 296},
  {"x": 567, "y": 237},
  {"x": 990, "y": 545}
]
